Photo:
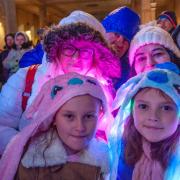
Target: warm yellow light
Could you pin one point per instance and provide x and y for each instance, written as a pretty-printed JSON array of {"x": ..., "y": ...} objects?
[{"x": 29, "y": 34}]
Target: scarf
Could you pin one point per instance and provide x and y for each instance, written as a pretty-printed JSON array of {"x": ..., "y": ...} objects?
[{"x": 147, "y": 168}]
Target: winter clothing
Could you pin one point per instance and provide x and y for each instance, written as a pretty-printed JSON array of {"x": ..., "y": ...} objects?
[
  {"x": 123, "y": 21},
  {"x": 55, "y": 93},
  {"x": 83, "y": 17},
  {"x": 125, "y": 72},
  {"x": 176, "y": 36},
  {"x": 3, "y": 71},
  {"x": 11, "y": 63},
  {"x": 170, "y": 15},
  {"x": 11, "y": 94},
  {"x": 165, "y": 78},
  {"x": 91, "y": 164},
  {"x": 151, "y": 35},
  {"x": 32, "y": 57}
]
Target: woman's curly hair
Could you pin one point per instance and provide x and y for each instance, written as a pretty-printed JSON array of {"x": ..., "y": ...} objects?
[{"x": 105, "y": 60}]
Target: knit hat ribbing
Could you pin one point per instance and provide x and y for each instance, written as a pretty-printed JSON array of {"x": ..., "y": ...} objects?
[
  {"x": 152, "y": 35},
  {"x": 123, "y": 21}
]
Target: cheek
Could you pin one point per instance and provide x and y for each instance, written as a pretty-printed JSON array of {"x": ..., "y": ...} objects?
[
  {"x": 91, "y": 127},
  {"x": 139, "y": 67}
]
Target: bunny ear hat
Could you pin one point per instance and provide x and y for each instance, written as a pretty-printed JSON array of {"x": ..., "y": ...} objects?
[
  {"x": 165, "y": 78},
  {"x": 41, "y": 114}
]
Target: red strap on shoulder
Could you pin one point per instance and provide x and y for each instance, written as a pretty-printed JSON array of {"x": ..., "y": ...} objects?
[{"x": 28, "y": 85}]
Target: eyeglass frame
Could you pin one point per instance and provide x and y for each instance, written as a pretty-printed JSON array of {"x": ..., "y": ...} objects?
[{"x": 75, "y": 49}]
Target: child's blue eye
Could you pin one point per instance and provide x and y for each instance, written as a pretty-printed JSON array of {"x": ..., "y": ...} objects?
[
  {"x": 142, "y": 106},
  {"x": 167, "y": 108},
  {"x": 68, "y": 116},
  {"x": 90, "y": 116}
]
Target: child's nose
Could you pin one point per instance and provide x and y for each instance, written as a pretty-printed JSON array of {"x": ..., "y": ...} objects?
[
  {"x": 80, "y": 125},
  {"x": 153, "y": 115}
]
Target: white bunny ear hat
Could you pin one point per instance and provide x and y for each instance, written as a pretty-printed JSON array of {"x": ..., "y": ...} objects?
[
  {"x": 165, "y": 80},
  {"x": 151, "y": 34},
  {"x": 78, "y": 16}
]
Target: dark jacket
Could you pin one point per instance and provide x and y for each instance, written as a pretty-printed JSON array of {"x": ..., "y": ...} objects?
[{"x": 32, "y": 57}]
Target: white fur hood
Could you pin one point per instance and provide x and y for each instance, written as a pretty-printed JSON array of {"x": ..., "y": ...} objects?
[{"x": 97, "y": 154}]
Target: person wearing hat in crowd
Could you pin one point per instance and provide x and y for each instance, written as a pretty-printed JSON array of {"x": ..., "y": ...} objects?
[
  {"x": 60, "y": 142},
  {"x": 121, "y": 25},
  {"x": 176, "y": 36},
  {"x": 150, "y": 46},
  {"x": 22, "y": 45},
  {"x": 76, "y": 45},
  {"x": 144, "y": 141},
  {"x": 9, "y": 44},
  {"x": 35, "y": 55},
  {"x": 167, "y": 20}
]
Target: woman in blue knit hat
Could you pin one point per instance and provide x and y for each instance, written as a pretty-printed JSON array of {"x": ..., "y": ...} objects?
[
  {"x": 121, "y": 25},
  {"x": 167, "y": 20}
]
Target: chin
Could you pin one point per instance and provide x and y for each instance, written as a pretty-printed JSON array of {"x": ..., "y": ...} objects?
[{"x": 154, "y": 139}]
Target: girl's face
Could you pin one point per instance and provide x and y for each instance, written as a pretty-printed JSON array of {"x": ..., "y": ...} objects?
[
  {"x": 155, "y": 115},
  {"x": 77, "y": 56},
  {"x": 9, "y": 41},
  {"x": 20, "y": 39},
  {"x": 146, "y": 57},
  {"x": 76, "y": 122}
]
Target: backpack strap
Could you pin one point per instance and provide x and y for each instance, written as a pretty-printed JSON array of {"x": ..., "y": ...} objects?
[{"x": 28, "y": 85}]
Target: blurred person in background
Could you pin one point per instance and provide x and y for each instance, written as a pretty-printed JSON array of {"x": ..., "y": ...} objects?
[
  {"x": 9, "y": 44},
  {"x": 22, "y": 44},
  {"x": 35, "y": 55},
  {"x": 167, "y": 20}
]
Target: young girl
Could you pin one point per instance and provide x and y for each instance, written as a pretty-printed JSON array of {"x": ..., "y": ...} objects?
[
  {"x": 59, "y": 141},
  {"x": 76, "y": 45},
  {"x": 145, "y": 136}
]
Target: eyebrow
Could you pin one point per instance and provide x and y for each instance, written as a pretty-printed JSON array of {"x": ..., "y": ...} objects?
[
  {"x": 162, "y": 102},
  {"x": 158, "y": 49},
  {"x": 138, "y": 54}
]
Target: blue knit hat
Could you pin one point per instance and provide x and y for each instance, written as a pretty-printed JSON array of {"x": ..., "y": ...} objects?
[{"x": 123, "y": 21}]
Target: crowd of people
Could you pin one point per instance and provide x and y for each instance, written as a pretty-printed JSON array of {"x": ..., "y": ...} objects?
[{"x": 92, "y": 100}]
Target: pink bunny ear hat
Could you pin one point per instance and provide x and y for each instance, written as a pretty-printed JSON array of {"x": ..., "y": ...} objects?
[{"x": 51, "y": 97}]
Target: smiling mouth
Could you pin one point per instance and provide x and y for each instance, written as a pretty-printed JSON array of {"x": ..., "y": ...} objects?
[
  {"x": 153, "y": 127},
  {"x": 79, "y": 137}
]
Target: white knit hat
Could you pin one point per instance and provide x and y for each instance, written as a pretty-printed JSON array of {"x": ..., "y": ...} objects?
[
  {"x": 152, "y": 35},
  {"x": 83, "y": 17}
]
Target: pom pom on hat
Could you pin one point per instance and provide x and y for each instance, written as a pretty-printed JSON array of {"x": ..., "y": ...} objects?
[
  {"x": 152, "y": 35},
  {"x": 83, "y": 17},
  {"x": 123, "y": 21}
]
